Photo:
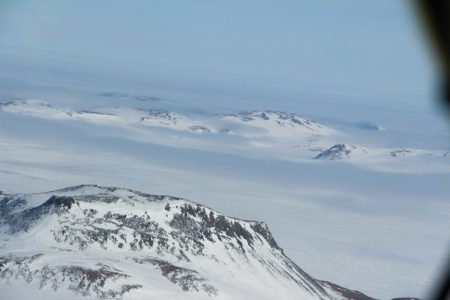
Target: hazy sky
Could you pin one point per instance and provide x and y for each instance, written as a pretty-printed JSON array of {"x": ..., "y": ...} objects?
[{"x": 373, "y": 45}]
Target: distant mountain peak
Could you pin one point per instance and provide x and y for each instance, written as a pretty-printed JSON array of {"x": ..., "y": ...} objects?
[{"x": 340, "y": 151}]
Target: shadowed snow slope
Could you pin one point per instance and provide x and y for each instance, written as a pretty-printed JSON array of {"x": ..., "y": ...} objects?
[{"x": 113, "y": 243}]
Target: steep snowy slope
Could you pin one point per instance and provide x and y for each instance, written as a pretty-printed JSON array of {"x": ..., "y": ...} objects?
[{"x": 112, "y": 243}]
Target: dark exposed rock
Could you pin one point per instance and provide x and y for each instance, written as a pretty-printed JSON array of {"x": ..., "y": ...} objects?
[
  {"x": 209, "y": 226},
  {"x": 281, "y": 118},
  {"x": 187, "y": 279},
  {"x": 24, "y": 219},
  {"x": 340, "y": 151},
  {"x": 60, "y": 203},
  {"x": 346, "y": 293},
  {"x": 145, "y": 232},
  {"x": 337, "y": 151},
  {"x": 263, "y": 230},
  {"x": 80, "y": 280},
  {"x": 200, "y": 129},
  {"x": 10, "y": 204},
  {"x": 401, "y": 152},
  {"x": 367, "y": 126},
  {"x": 124, "y": 96}
]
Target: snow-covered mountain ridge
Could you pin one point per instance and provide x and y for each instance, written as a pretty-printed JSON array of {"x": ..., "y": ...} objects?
[
  {"x": 280, "y": 123},
  {"x": 269, "y": 134},
  {"x": 272, "y": 123},
  {"x": 113, "y": 243}
]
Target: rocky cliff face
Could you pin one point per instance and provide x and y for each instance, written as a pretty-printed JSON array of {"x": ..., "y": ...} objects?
[{"x": 112, "y": 243}]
